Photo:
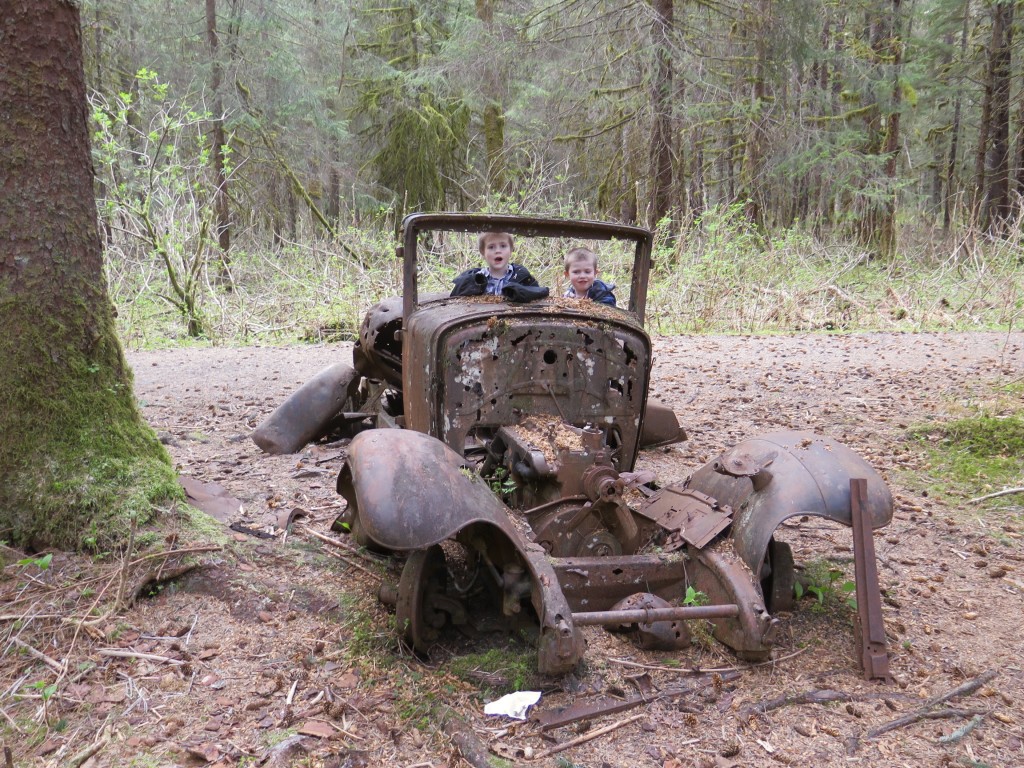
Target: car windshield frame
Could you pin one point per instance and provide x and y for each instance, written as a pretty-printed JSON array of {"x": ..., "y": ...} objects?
[{"x": 415, "y": 224}]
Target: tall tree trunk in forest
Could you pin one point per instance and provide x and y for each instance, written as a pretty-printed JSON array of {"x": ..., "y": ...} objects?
[
  {"x": 891, "y": 148},
  {"x": 77, "y": 463},
  {"x": 997, "y": 163},
  {"x": 1018, "y": 166},
  {"x": 661, "y": 108},
  {"x": 494, "y": 114},
  {"x": 755, "y": 145},
  {"x": 954, "y": 141},
  {"x": 223, "y": 227},
  {"x": 878, "y": 223}
]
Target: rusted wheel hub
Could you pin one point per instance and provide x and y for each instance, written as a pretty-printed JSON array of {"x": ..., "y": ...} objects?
[{"x": 421, "y": 594}]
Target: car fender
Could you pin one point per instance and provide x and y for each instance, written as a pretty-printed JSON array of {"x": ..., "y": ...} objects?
[
  {"x": 411, "y": 491},
  {"x": 771, "y": 478}
]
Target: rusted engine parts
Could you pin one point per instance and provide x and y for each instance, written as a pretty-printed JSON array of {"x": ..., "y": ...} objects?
[{"x": 411, "y": 492}]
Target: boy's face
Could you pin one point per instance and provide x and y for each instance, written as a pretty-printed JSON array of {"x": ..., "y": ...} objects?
[
  {"x": 582, "y": 275},
  {"x": 497, "y": 253}
]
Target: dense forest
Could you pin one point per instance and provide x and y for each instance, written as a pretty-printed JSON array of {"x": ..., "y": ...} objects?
[{"x": 247, "y": 124}]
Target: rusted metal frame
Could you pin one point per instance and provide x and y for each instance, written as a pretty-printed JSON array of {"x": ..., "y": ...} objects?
[
  {"x": 870, "y": 627},
  {"x": 415, "y": 223},
  {"x": 651, "y": 615},
  {"x": 598, "y": 583}
]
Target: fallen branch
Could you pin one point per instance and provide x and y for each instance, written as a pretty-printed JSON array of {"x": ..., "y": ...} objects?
[
  {"x": 822, "y": 696},
  {"x": 88, "y": 752},
  {"x": 354, "y": 564},
  {"x": 340, "y": 545},
  {"x": 959, "y": 733},
  {"x": 121, "y": 654},
  {"x": 704, "y": 670},
  {"x": 1004, "y": 492},
  {"x": 590, "y": 736},
  {"x": 51, "y": 663},
  {"x": 472, "y": 750},
  {"x": 925, "y": 713}
]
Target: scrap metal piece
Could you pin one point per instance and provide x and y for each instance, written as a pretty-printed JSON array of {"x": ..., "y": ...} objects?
[
  {"x": 661, "y": 426},
  {"x": 810, "y": 475},
  {"x": 309, "y": 411},
  {"x": 608, "y": 705},
  {"x": 694, "y": 516},
  {"x": 869, "y": 626}
]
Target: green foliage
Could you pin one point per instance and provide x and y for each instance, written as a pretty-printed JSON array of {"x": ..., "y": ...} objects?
[
  {"x": 824, "y": 582},
  {"x": 695, "y": 597},
  {"x": 156, "y": 194},
  {"x": 976, "y": 454},
  {"x": 42, "y": 563},
  {"x": 508, "y": 668}
]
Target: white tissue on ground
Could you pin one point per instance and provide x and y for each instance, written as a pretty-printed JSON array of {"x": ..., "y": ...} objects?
[{"x": 513, "y": 705}]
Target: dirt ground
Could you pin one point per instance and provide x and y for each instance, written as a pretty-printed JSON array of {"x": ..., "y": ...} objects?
[{"x": 275, "y": 651}]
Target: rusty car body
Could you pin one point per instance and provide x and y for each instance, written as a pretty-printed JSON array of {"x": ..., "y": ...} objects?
[{"x": 494, "y": 445}]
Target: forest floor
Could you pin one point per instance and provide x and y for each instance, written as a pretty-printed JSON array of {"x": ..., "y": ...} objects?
[{"x": 275, "y": 651}]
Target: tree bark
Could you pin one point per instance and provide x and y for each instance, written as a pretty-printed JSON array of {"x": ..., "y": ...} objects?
[
  {"x": 217, "y": 136},
  {"x": 494, "y": 112},
  {"x": 76, "y": 460},
  {"x": 661, "y": 107},
  {"x": 997, "y": 196}
]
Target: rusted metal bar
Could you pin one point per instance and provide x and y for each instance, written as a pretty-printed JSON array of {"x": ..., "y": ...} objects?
[
  {"x": 588, "y": 709},
  {"x": 870, "y": 627},
  {"x": 650, "y": 615}
]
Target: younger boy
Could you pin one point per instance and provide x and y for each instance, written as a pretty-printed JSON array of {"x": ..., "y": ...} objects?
[
  {"x": 496, "y": 248},
  {"x": 581, "y": 269}
]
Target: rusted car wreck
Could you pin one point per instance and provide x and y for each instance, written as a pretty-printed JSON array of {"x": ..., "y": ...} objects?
[{"x": 494, "y": 447}]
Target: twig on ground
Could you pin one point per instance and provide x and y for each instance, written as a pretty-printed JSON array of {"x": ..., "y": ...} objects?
[
  {"x": 925, "y": 713},
  {"x": 822, "y": 696},
  {"x": 56, "y": 666},
  {"x": 702, "y": 670},
  {"x": 959, "y": 733},
  {"x": 123, "y": 654},
  {"x": 354, "y": 564},
  {"x": 123, "y": 570},
  {"x": 1004, "y": 492},
  {"x": 340, "y": 545},
  {"x": 589, "y": 736},
  {"x": 88, "y": 752}
]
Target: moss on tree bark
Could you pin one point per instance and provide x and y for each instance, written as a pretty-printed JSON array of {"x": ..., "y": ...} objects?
[{"x": 77, "y": 462}]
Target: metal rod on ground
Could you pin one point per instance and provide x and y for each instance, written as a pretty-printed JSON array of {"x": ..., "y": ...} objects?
[{"x": 650, "y": 615}]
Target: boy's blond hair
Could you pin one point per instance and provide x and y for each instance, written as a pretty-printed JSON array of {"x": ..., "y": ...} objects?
[
  {"x": 485, "y": 236},
  {"x": 580, "y": 254}
]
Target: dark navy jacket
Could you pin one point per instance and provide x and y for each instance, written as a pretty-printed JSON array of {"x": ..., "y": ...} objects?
[{"x": 600, "y": 291}]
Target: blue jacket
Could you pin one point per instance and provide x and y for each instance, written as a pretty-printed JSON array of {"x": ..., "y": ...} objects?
[{"x": 600, "y": 291}]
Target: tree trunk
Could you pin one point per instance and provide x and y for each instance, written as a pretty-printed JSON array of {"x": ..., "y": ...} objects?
[
  {"x": 494, "y": 112},
  {"x": 76, "y": 460},
  {"x": 661, "y": 107},
  {"x": 997, "y": 196},
  {"x": 217, "y": 138}
]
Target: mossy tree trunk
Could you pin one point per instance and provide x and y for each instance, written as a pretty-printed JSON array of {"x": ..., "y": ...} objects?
[{"x": 77, "y": 462}]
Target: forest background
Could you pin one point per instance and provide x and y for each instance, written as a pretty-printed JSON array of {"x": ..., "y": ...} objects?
[{"x": 807, "y": 164}]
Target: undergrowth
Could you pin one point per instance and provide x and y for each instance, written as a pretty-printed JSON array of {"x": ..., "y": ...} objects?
[{"x": 714, "y": 274}]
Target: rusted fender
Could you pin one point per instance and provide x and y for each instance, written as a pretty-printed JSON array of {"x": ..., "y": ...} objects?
[
  {"x": 771, "y": 478},
  {"x": 661, "y": 426},
  {"x": 411, "y": 491},
  {"x": 308, "y": 412}
]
